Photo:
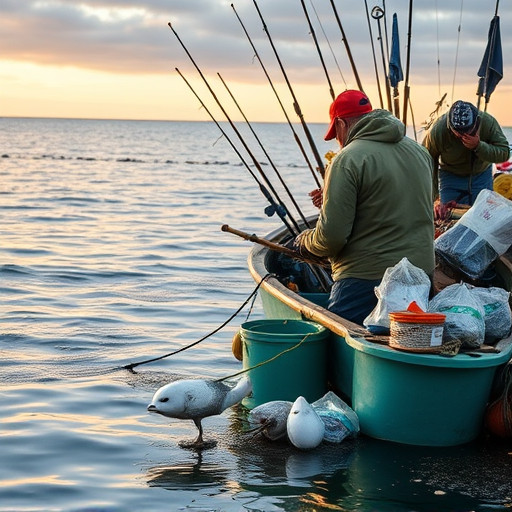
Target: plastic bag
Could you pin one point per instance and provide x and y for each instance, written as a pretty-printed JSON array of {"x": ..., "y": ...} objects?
[
  {"x": 464, "y": 315},
  {"x": 482, "y": 234},
  {"x": 339, "y": 419},
  {"x": 497, "y": 313},
  {"x": 402, "y": 284}
]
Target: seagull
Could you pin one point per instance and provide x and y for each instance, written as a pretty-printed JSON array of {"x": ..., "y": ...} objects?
[
  {"x": 195, "y": 399},
  {"x": 305, "y": 428}
]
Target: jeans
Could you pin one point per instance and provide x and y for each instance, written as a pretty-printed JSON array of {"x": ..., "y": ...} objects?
[
  {"x": 463, "y": 189},
  {"x": 353, "y": 299}
]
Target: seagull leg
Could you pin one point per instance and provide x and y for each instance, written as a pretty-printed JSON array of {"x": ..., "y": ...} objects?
[
  {"x": 198, "y": 443},
  {"x": 199, "y": 438}
]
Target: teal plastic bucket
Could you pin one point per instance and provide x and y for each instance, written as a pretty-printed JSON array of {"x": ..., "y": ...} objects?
[
  {"x": 421, "y": 399},
  {"x": 300, "y": 372}
]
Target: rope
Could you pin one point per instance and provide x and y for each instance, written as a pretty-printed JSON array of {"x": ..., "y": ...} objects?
[
  {"x": 131, "y": 366},
  {"x": 273, "y": 358}
]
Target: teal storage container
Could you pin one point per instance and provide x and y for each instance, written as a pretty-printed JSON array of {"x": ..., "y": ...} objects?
[
  {"x": 299, "y": 372},
  {"x": 421, "y": 399}
]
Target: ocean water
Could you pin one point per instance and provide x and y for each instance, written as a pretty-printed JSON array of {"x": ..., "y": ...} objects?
[{"x": 111, "y": 253}]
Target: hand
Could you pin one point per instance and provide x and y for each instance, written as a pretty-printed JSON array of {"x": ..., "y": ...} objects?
[
  {"x": 441, "y": 210},
  {"x": 305, "y": 255},
  {"x": 317, "y": 197},
  {"x": 470, "y": 141}
]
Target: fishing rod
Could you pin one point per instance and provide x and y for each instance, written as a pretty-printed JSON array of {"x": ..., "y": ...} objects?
[
  {"x": 407, "y": 65},
  {"x": 386, "y": 28},
  {"x": 265, "y": 153},
  {"x": 311, "y": 259},
  {"x": 239, "y": 135},
  {"x": 296, "y": 137},
  {"x": 373, "y": 53},
  {"x": 280, "y": 209},
  {"x": 313, "y": 35},
  {"x": 378, "y": 14},
  {"x": 296, "y": 106},
  {"x": 274, "y": 207},
  {"x": 347, "y": 47}
]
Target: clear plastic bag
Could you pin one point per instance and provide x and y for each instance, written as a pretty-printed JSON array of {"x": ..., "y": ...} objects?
[
  {"x": 498, "y": 316},
  {"x": 464, "y": 315},
  {"x": 402, "y": 284},
  {"x": 339, "y": 419}
]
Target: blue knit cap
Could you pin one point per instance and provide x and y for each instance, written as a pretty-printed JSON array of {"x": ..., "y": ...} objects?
[{"x": 463, "y": 117}]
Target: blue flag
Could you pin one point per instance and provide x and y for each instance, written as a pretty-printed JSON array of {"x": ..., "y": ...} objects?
[
  {"x": 395, "y": 68},
  {"x": 491, "y": 68}
]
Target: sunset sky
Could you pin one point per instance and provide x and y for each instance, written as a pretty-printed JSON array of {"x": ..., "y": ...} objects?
[{"x": 117, "y": 59}]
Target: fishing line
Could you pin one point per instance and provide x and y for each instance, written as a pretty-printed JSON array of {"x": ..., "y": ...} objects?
[
  {"x": 347, "y": 47},
  {"x": 271, "y": 162},
  {"x": 319, "y": 51},
  {"x": 296, "y": 106},
  {"x": 295, "y": 136},
  {"x": 329, "y": 44},
  {"x": 438, "y": 54},
  {"x": 280, "y": 208},
  {"x": 457, "y": 50},
  {"x": 373, "y": 54},
  {"x": 131, "y": 366}
]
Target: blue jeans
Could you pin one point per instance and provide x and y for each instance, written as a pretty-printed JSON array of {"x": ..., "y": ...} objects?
[
  {"x": 353, "y": 299},
  {"x": 463, "y": 189}
]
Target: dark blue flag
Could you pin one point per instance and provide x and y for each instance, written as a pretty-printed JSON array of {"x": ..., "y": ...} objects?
[
  {"x": 395, "y": 68},
  {"x": 491, "y": 68}
]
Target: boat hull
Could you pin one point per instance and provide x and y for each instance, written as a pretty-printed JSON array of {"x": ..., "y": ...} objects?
[{"x": 418, "y": 399}]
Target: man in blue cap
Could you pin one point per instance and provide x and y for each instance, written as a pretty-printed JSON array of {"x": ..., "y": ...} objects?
[{"x": 464, "y": 144}]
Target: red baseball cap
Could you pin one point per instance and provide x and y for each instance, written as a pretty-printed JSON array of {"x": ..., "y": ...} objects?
[{"x": 351, "y": 103}]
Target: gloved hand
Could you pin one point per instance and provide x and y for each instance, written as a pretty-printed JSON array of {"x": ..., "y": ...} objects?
[
  {"x": 317, "y": 197},
  {"x": 441, "y": 210}
]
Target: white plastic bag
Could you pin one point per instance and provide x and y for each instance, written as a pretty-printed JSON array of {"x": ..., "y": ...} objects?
[
  {"x": 464, "y": 315},
  {"x": 400, "y": 285},
  {"x": 482, "y": 234}
]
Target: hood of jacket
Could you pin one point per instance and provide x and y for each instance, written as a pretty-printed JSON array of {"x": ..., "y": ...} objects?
[{"x": 378, "y": 125}]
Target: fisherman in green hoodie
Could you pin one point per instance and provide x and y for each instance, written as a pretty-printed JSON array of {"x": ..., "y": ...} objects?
[
  {"x": 376, "y": 205},
  {"x": 464, "y": 143}
]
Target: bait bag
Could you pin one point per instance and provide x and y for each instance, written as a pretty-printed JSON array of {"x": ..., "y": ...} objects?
[
  {"x": 497, "y": 314},
  {"x": 464, "y": 315},
  {"x": 482, "y": 234},
  {"x": 402, "y": 284}
]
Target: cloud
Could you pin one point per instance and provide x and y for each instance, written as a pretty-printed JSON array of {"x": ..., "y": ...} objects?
[{"x": 131, "y": 36}]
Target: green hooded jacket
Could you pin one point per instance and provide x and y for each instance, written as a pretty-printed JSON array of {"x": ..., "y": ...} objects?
[
  {"x": 377, "y": 202},
  {"x": 450, "y": 155}
]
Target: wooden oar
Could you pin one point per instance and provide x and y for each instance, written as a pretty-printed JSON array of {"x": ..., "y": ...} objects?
[{"x": 277, "y": 247}]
